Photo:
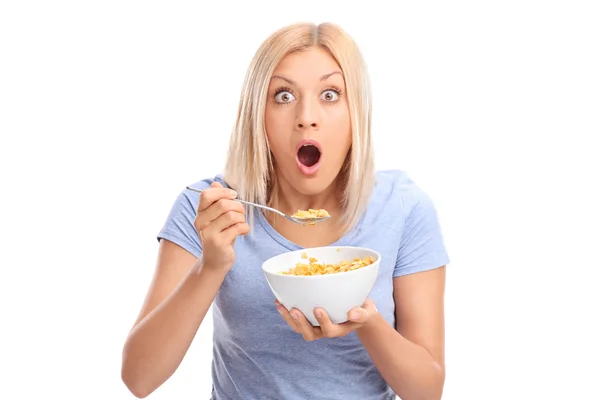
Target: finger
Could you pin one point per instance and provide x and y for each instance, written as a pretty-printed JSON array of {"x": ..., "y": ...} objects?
[
  {"x": 328, "y": 328},
  {"x": 358, "y": 315},
  {"x": 217, "y": 209},
  {"x": 287, "y": 317},
  {"x": 221, "y": 206},
  {"x": 234, "y": 231},
  {"x": 308, "y": 331},
  {"x": 213, "y": 194},
  {"x": 370, "y": 306},
  {"x": 226, "y": 220}
]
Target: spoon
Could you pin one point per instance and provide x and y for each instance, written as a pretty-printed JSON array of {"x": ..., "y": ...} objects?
[{"x": 298, "y": 220}]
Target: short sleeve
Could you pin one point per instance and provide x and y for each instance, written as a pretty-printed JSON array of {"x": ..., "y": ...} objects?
[
  {"x": 179, "y": 226},
  {"x": 422, "y": 244}
]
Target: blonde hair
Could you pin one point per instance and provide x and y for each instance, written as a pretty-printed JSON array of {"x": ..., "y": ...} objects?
[{"x": 249, "y": 167}]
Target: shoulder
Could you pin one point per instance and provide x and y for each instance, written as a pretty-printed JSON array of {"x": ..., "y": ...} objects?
[
  {"x": 396, "y": 193},
  {"x": 179, "y": 224},
  {"x": 189, "y": 195},
  {"x": 188, "y": 199},
  {"x": 407, "y": 212},
  {"x": 399, "y": 204},
  {"x": 206, "y": 182}
]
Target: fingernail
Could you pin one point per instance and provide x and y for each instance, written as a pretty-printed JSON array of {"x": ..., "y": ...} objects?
[
  {"x": 234, "y": 193},
  {"x": 355, "y": 315},
  {"x": 295, "y": 315},
  {"x": 318, "y": 313},
  {"x": 279, "y": 308}
]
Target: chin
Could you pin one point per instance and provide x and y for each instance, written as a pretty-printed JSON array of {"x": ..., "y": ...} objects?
[{"x": 316, "y": 183}]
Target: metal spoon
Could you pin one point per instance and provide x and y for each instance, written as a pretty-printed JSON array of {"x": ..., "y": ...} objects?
[{"x": 301, "y": 221}]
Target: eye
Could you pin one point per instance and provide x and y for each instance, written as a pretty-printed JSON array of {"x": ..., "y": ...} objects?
[
  {"x": 284, "y": 97},
  {"x": 330, "y": 95}
]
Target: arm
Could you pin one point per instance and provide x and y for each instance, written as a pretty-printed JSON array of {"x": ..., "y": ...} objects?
[
  {"x": 195, "y": 254},
  {"x": 177, "y": 301},
  {"x": 411, "y": 357}
]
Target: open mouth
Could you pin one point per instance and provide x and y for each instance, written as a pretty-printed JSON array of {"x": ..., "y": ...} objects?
[{"x": 308, "y": 155}]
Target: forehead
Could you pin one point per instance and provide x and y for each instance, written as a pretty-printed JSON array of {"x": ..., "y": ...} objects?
[{"x": 307, "y": 66}]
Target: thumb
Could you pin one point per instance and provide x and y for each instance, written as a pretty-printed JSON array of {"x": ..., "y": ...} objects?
[
  {"x": 216, "y": 184},
  {"x": 359, "y": 315}
]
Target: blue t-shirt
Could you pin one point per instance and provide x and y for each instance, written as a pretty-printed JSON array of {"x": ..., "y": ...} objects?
[{"x": 256, "y": 355}]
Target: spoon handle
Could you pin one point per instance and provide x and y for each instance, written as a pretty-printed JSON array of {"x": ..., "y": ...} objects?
[{"x": 245, "y": 202}]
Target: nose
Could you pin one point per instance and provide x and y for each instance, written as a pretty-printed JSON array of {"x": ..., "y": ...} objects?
[
  {"x": 307, "y": 115},
  {"x": 313, "y": 125}
]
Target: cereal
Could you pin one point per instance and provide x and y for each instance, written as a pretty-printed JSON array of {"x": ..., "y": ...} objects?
[
  {"x": 310, "y": 213},
  {"x": 314, "y": 267}
]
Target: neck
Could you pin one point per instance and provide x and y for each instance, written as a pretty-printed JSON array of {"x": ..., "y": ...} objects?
[{"x": 289, "y": 200}]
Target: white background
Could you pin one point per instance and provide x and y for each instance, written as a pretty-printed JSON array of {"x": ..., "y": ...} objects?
[{"x": 108, "y": 109}]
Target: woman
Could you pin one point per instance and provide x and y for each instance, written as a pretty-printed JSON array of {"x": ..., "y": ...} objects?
[{"x": 302, "y": 140}]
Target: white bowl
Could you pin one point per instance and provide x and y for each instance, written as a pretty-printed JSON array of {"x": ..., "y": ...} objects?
[{"x": 336, "y": 293}]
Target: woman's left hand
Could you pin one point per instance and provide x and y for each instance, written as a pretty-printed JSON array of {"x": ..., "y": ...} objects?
[{"x": 357, "y": 318}]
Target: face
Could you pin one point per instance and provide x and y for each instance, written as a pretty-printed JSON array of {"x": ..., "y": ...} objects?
[{"x": 308, "y": 120}]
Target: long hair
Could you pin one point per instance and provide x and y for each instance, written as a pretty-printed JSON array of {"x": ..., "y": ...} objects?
[{"x": 249, "y": 167}]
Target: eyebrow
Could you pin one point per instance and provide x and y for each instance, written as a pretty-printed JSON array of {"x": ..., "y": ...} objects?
[{"x": 291, "y": 82}]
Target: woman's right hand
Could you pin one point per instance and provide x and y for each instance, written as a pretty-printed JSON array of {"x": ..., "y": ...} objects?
[{"x": 219, "y": 221}]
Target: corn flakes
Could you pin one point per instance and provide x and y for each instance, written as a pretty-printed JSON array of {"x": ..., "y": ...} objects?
[
  {"x": 314, "y": 267},
  {"x": 310, "y": 213}
]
